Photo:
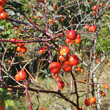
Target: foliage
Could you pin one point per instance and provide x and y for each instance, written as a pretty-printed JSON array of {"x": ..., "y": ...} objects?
[
  {"x": 40, "y": 29},
  {"x": 5, "y": 98}
]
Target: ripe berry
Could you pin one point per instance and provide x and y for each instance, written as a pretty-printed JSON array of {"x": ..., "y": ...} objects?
[
  {"x": 23, "y": 49},
  {"x": 101, "y": 4},
  {"x": 45, "y": 47},
  {"x": 67, "y": 40},
  {"x": 64, "y": 51},
  {"x": 77, "y": 41},
  {"x": 12, "y": 39},
  {"x": 18, "y": 49},
  {"x": 72, "y": 34},
  {"x": 1, "y": 9},
  {"x": 54, "y": 7},
  {"x": 9, "y": 61},
  {"x": 58, "y": 79},
  {"x": 18, "y": 40},
  {"x": 35, "y": 17},
  {"x": 73, "y": 60},
  {"x": 102, "y": 93},
  {"x": 15, "y": 27},
  {"x": 87, "y": 102},
  {"x": 82, "y": 70},
  {"x": 55, "y": 67},
  {"x": 79, "y": 69},
  {"x": 17, "y": 78},
  {"x": 50, "y": 21},
  {"x": 92, "y": 28},
  {"x": 61, "y": 84},
  {"x": 22, "y": 74},
  {"x": 94, "y": 13},
  {"x": 20, "y": 44},
  {"x": 2, "y": 2},
  {"x": 108, "y": 64},
  {"x": 16, "y": 32},
  {"x": 86, "y": 27},
  {"x": 20, "y": 54},
  {"x": 55, "y": 76},
  {"x": 78, "y": 36},
  {"x": 66, "y": 66},
  {"x": 42, "y": 108},
  {"x": 90, "y": 2},
  {"x": 95, "y": 7},
  {"x": 41, "y": 50},
  {"x": 3, "y": 15},
  {"x": 93, "y": 100},
  {"x": 78, "y": 109},
  {"x": 62, "y": 58}
]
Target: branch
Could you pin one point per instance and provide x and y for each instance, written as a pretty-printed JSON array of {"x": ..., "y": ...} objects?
[
  {"x": 75, "y": 86},
  {"x": 27, "y": 94},
  {"x": 43, "y": 91}
]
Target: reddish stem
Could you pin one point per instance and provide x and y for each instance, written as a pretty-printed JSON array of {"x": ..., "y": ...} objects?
[
  {"x": 27, "y": 94},
  {"x": 45, "y": 17},
  {"x": 1, "y": 73}
]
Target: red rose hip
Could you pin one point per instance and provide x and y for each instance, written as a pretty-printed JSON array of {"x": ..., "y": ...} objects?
[
  {"x": 71, "y": 34},
  {"x": 55, "y": 67},
  {"x": 73, "y": 60}
]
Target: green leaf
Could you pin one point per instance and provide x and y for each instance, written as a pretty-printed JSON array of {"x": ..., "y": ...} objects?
[
  {"x": 10, "y": 12},
  {"x": 9, "y": 103},
  {"x": 1, "y": 89},
  {"x": 50, "y": 8},
  {"x": 87, "y": 4},
  {"x": 1, "y": 27}
]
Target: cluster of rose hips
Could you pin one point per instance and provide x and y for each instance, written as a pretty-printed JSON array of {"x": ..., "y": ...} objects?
[
  {"x": 42, "y": 50},
  {"x": 87, "y": 102},
  {"x": 72, "y": 36},
  {"x": 106, "y": 86},
  {"x": 60, "y": 83},
  {"x": 90, "y": 28},
  {"x": 78, "y": 109},
  {"x": 21, "y": 75},
  {"x": 20, "y": 46},
  {"x": 67, "y": 61},
  {"x": 95, "y": 8},
  {"x": 3, "y": 15},
  {"x": 81, "y": 70},
  {"x": 77, "y": 68},
  {"x": 92, "y": 101}
]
